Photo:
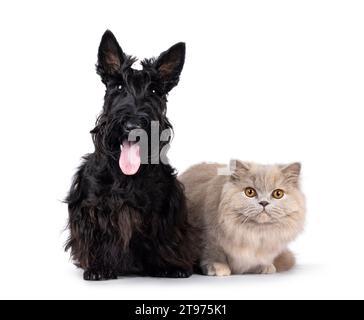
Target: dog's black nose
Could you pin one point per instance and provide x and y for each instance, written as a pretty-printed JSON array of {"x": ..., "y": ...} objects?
[
  {"x": 264, "y": 203},
  {"x": 129, "y": 126}
]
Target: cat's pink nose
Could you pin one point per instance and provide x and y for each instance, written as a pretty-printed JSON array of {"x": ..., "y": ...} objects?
[{"x": 264, "y": 203}]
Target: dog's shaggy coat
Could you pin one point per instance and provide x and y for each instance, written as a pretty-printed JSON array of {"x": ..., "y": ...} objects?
[{"x": 130, "y": 224}]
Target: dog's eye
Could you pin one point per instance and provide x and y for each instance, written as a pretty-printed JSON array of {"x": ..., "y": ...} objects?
[
  {"x": 153, "y": 91},
  {"x": 119, "y": 87}
]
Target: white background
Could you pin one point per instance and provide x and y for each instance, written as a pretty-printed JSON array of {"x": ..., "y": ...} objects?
[{"x": 269, "y": 81}]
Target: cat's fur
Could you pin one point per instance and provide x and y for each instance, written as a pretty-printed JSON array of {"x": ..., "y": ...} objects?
[{"x": 238, "y": 237}]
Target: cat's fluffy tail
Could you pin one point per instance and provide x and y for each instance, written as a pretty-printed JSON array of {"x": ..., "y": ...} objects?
[{"x": 285, "y": 261}]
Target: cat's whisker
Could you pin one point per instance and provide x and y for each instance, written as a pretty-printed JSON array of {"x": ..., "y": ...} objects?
[{"x": 245, "y": 220}]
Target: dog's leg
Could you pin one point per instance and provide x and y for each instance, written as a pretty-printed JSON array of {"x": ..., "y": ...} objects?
[
  {"x": 87, "y": 251},
  {"x": 175, "y": 250},
  {"x": 171, "y": 272}
]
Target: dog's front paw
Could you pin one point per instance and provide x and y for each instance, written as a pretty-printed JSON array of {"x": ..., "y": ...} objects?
[
  {"x": 216, "y": 269},
  {"x": 268, "y": 269},
  {"x": 95, "y": 275},
  {"x": 92, "y": 275},
  {"x": 172, "y": 273}
]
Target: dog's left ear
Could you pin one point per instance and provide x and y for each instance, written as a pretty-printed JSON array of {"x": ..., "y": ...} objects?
[
  {"x": 110, "y": 56},
  {"x": 170, "y": 64}
]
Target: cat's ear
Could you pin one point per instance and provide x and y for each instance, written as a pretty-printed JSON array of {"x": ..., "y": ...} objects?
[
  {"x": 169, "y": 65},
  {"x": 292, "y": 172},
  {"x": 110, "y": 56},
  {"x": 237, "y": 167}
]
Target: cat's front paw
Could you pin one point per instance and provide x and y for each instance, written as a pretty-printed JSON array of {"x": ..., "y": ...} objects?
[
  {"x": 216, "y": 269},
  {"x": 268, "y": 269}
]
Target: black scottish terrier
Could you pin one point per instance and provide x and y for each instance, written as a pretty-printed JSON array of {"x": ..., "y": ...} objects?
[{"x": 126, "y": 217}]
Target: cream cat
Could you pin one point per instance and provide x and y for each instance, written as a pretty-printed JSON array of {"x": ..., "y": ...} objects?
[{"x": 246, "y": 219}]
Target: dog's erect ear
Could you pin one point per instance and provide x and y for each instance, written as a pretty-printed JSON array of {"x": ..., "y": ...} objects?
[
  {"x": 110, "y": 57},
  {"x": 170, "y": 64}
]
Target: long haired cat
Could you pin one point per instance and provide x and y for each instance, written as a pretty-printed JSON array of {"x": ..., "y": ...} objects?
[{"x": 246, "y": 218}]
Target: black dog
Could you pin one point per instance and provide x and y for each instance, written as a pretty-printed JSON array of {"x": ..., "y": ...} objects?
[{"x": 126, "y": 217}]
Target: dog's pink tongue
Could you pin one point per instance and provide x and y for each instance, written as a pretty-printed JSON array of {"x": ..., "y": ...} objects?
[{"x": 129, "y": 161}]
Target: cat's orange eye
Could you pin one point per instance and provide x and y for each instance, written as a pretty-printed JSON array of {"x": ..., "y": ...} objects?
[
  {"x": 250, "y": 192},
  {"x": 278, "y": 194}
]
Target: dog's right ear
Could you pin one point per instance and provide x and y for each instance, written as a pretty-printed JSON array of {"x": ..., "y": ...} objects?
[
  {"x": 169, "y": 65},
  {"x": 110, "y": 56}
]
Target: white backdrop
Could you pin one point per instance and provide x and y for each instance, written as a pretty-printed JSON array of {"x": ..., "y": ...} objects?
[{"x": 268, "y": 81}]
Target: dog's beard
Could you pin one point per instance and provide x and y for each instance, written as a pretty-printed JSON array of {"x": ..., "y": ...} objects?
[{"x": 129, "y": 160}]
